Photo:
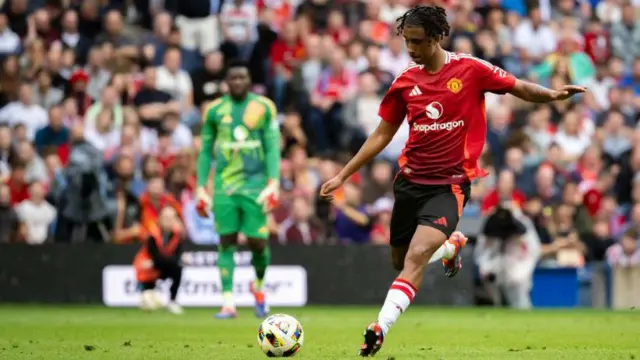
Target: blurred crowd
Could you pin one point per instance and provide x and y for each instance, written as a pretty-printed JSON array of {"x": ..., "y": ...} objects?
[{"x": 100, "y": 104}]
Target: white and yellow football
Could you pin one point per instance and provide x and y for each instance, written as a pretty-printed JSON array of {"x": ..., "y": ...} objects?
[{"x": 280, "y": 335}]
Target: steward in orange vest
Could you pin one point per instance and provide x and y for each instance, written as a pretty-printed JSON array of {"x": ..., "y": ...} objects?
[{"x": 159, "y": 258}]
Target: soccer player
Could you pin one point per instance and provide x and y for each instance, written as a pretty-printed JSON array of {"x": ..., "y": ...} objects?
[
  {"x": 441, "y": 94},
  {"x": 244, "y": 128}
]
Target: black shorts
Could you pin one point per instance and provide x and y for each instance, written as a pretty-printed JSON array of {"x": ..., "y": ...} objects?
[
  {"x": 167, "y": 270},
  {"x": 437, "y": 206}
]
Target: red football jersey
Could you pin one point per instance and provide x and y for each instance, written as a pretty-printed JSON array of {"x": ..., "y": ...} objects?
[{"x": 446, "y": 115}]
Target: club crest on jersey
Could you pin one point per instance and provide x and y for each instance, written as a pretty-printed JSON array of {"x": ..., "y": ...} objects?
[
  {"x": 434, "y": 110},
  {"x": 454, "y": 85},
  {"x": 226, "y": 119}
]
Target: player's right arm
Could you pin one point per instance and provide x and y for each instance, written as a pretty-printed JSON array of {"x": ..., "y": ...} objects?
[
  {"x": 205, "y": 157},
  {"x": 377, "y": 141},
  {"x": 392, "y": 113}
]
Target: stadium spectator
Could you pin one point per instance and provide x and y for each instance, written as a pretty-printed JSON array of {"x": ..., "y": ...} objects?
[
  {"x": 81, "y": 194},
  {"x": 200, "y": 230},
  {"x": 171, "y": 79},
  {"x": 154, "y": 199},
  {"x": 79, "y": 91},
  {"x": 127, "y": 223},
  {"x": 360, "y": 112},
  {"x": 17, "y": 183},
  {"x": 498, "y": 132},
  {"x": 352, "y": 221},
  {"x": 285, "y": 55},
  {"x": 569, "y": 61},
  {"x": 524, "y": 173},
  {"x": 238, "y": 20},
  {"x": 534, "y": 36},
  {"x": 304, "y": 178},
  {"x": 380, "y": 184},
  {"x": 9, "y": 40},
  {"x": 292, "y": 132},
  {"x": 108, "y": 104},
  {"x": 308, "y": 73},
  {"x": 35, "y": 169},
  {"x": 9, "y": 220},
  {"x": 152, "y": 104},
  {"x": 198, "y": 23},
  {"x": 95, "y": 74},
  {"x": 385, "y": 78},
  {"x": 43, "y": 93},
  {"x": 566, "y": 248},
  {"x": 381, "y": 232},
  {"x": 6, "y": 151},
  {"x": 506, "y": 254},
  {"x": 625, "y": 34},
  {"x": 72, "y": 38},
  {"x": 597, "y": 241},
  {"x": 633, "y": 219},
  {"x": 24, "y": 111},
  {"x": 102, "y": 133},
  {"x": 37, "y": 215},
  {"x": 505, "y": 191},
  {"x": 626, "y": 253},
  {"x": 301, "y": 227},
  {"x": 335, "y": 88},
  {"x": 207, "y": 80}
]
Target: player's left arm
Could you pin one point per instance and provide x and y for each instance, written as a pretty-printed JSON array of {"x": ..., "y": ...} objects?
[
  {"x": 496, "y": 80},
  {"x": 535, "y": 93},
  {"x": 271, "y": 142}
]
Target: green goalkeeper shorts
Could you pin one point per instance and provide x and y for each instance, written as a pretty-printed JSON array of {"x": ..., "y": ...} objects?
[{"x": 239, "y": 213}]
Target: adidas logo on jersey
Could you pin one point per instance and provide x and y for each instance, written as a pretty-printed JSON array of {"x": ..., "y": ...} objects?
[{"x": 415, "y": 91}]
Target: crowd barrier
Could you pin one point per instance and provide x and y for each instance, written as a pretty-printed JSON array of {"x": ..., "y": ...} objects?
[{"x": 300, "y": 275}]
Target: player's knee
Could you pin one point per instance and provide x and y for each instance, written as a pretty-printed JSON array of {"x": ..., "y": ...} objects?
[
  {"x": 257, "y": 245},
  {"x": 228, "y": 240},
  {"x": 419, "y": 254}
]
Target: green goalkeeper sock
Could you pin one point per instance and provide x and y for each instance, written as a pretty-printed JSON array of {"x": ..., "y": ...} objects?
[
  {"x": 226, "y": 265},
  {"x": 260, "y": 261}
]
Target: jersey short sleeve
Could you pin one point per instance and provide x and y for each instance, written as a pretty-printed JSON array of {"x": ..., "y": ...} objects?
[
  {"x": 393, "y": 108},
  {"x": 271, "y": 113},
  {"x": 209, "y": 113},
  {"x": 492, "y": 78}
]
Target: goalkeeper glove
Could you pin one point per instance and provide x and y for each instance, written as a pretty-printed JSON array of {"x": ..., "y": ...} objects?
[
  {"x": 203, "y": 202},
  {"x": 268, "y": 198}
]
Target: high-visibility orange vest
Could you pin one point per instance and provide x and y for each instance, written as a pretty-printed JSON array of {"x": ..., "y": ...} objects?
[{"x": 152, "y": 274}]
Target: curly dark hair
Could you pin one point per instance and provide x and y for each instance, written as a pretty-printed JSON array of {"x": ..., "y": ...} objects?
[{"x": 433, "y": 19}]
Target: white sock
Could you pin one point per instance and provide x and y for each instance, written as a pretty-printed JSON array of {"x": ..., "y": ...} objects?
[
  {"x": 227, "y": 300},
  {"x": 399, "y": 297},
  {"x": 446, "y": 251}
]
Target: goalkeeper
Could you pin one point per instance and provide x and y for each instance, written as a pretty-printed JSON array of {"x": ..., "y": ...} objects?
[{"x": 244, "y": 128}]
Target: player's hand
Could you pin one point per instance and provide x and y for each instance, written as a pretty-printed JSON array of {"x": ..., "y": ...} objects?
[
  {"x": 568, "y": 91},
  {"x": 327, "y": 189},
  {"x": 269, "y": 197},
  {"x": 203, "y": 202}
]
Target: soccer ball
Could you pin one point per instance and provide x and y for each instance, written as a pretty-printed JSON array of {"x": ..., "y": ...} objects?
[{"x": 280, "y": 335}]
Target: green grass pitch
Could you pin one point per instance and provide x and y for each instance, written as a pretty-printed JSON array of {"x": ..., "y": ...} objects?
[{"x": 41, "y": 332}]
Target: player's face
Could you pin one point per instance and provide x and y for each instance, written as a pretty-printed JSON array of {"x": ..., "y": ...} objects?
[
  {"x": 239, "y": 81},
  {"x": 420, "y": 47}
]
